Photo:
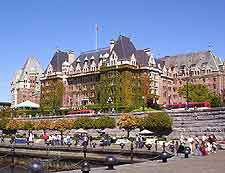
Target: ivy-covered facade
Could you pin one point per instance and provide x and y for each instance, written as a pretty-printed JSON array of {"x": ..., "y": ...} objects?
[{"x": 108, "y": 78}]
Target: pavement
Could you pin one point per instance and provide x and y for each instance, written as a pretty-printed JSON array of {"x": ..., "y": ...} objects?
[{"x": 213, "y": 163}]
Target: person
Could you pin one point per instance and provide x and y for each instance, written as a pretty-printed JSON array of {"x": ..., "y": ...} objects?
[
  {"x": 204, "y": 138},
  {"x": 177, "y": 147},
  {"x": 85, "y": 142},
  {"x": 31, "y": 138},
  {"x": 2, "y": 138},
  {"x": 172, "y": 147},
  {"x": 137, "y": 141},
  {"x": 197, "y": 151},
  {"x": 214, "y": 145},
  {"x": 190, "y": 141},
  {"x": 45, "y": 137},
  {"x": 90, "y": 139},
  {"x": 12, "y": 140},
  {"x": 203, "y": 148}
]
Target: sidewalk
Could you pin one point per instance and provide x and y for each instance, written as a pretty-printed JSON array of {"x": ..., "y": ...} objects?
[{"x": 213, "y": 163}]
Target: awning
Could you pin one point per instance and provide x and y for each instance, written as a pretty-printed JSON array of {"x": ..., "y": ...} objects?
[
  {"x": 27, "y": 104},
  {"x": 145, "y": 132}
]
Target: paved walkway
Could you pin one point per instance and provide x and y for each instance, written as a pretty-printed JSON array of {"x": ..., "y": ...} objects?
[{"x": 213, "y": 163}]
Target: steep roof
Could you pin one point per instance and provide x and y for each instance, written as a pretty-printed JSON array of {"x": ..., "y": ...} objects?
[
  {"x": 141, "y": 57},
  {"x": 89, "y": 54},
  {"x": 124, "y": 48},
  {"x": 202, "y": 58},
  {"x": 32, "y": 65},
  {"x": 57, "y": 60}
]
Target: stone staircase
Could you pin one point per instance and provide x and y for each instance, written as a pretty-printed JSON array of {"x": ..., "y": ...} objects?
[{"x": 198, "y": 123}]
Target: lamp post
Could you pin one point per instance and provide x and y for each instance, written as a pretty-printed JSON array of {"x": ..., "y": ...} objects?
[
  {"x": 109, "y": 101},
  {"x": 85, "y": 150},
  {"x": 169, "y": 98},
  {"x": 143, "y": 107},
  {"x": 132, "y": 149},
  {"x": 12, "y": 166},
  {"x": 188, "y": 66}
]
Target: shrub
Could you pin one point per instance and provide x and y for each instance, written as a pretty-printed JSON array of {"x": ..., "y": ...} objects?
[
  {"x": 104, "y": 122},
  {"x": 158, "y": 122},
  {"x": 83, "y": 122}
]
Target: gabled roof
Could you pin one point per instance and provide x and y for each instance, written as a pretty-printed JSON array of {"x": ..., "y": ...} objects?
[
  {"x": 141, "y": 57},
  {"x": 57, "y": 60},
  {"x": 200, "y": 58},
  {"x": 124, "y": 48}
]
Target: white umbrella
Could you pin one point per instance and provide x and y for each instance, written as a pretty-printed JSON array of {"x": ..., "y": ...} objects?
[
  {"x": 81, "y": 131},
  {"x": 145, "y": 132},
  {"x": 105, "y": 130}
]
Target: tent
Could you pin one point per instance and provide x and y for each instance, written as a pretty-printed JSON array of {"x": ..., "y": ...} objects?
[
  {"x": 106, "y": 130},
  {"x": 27, "y": 104},
  {"x": 145, "y": 132},
  {"x": 81, "y": 131}
]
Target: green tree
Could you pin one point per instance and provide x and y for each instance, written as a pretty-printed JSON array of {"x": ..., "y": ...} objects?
[
  {"x": 5, "y": 114},
  {"x": 53, "y": 96},
  {"x": 200, "y": 93},
  {"x": 158, "y": 122},
  {"x": 83, "y": 122},
  {"x": 104, "y": 122}
]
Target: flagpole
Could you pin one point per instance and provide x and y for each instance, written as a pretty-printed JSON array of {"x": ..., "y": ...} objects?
[{"x": 96, "y": 36}]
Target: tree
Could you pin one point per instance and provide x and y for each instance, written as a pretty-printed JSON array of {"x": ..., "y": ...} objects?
[
  {"x": 61, "y": 125},
  {"x": 42, "y": 125},
  {"x": 83, "y": 122},
  {"x": 5, "y": 114},
  {"x": 53, "y": 95},
  {"x": 158, "y": 122},
  {"x": 128, "y": 122},
  {"x": 14, "y": 124},
  {"x": 200, "y": 93},
  {"x": 104, "y": 122}
]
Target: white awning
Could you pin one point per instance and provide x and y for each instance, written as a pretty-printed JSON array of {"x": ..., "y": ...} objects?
[
  {"x": 27, "y": 104},
  {"x": 145, "y": 132}
]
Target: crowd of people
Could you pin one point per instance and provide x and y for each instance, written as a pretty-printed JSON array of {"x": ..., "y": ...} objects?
[{"x": 198, "y": 145}]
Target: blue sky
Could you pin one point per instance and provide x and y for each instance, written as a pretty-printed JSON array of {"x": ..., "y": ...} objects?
[{"x": 37, "y": 28}]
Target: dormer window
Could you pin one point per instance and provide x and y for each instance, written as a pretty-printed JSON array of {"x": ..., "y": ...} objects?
[
  {"x": 50, "y": 69},
  {"x": 133, "y": 60},
  {"x": 113, "y": 59}
]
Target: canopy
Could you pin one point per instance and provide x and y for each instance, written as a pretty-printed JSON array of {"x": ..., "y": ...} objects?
[
  {"x": 145, "y": 132},
  {"x": 106, "y": 130},
  {"x": 27, "y": 104},
  {"x": 81, "y": 131}
]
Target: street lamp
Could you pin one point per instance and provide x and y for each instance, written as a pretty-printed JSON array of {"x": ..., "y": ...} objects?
[
  {"x": 188, "y": 66},
  {"x": 109, "y": 101},
  {"x": 169, "y": 98},
  {"x": 143, "y": 107}
]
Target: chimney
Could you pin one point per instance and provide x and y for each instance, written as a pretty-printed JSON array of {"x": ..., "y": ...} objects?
[
  {"x": 71, "y": 57},
  {"x": 147, "y": 51},
  {"x": 112, "y": 43}
]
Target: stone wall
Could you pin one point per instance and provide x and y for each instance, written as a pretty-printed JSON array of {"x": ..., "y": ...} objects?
[{"x": 198, "y": 123}]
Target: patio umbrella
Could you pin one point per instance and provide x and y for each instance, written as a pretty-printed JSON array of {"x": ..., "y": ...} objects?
[
  {"x": 81, "y": 131},
  {"x": 146, "y": 132}
]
